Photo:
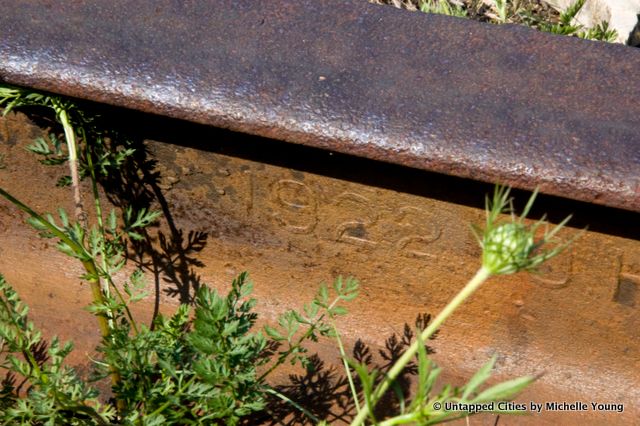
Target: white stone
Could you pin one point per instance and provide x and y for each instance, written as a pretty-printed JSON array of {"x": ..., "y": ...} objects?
[{"x": 622, "y": 15}]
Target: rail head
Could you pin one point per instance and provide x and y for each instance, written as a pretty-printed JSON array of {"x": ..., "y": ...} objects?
[{"x": 505, "y": 104}]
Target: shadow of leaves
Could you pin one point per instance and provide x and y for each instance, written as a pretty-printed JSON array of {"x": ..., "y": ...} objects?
[
  {"x": 167, "y": 252},
  {"x": 323, "y": 389}
]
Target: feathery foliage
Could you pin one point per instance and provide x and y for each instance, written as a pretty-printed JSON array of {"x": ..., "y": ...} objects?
[{"x": 197, "y": 366}]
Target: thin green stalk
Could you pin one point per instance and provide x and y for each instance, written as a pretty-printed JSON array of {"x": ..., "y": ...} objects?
[
  {"x": 87, "y": 263},
  {"x": 103, "y": 255},
  {"x": 97, "y": 289},
  {"x": 400, "y": 420},
  {"x": 481, "y": 276},
  {"x": 292, "y": 402},
  {"x": 166, "y": 405},
  {"x": 103, "y": 321},
  {"x": 96, "y": 204},
  {"x": 124, "y": 304},
  {"x": 103, "y": 233},
  {"x": 73, "y": 166},
  {"x": 413, "y": 417},
  {"x": 89, "y": 412},
  {"x": 78, "y": 249},
  {"x": 70, "y": 137},
  {"x": 347, "y": 370}
]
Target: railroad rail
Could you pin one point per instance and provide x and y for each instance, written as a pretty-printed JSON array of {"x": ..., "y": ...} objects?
[{"x": 363, "y": 140}]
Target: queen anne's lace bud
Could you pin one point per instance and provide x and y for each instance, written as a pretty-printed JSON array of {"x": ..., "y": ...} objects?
[{"x": 506, "y": 248}]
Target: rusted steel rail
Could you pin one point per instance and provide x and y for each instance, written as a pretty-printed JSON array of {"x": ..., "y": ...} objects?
[
  {"x": 449, "y": 95},
  {"x": 355, "y": 83}
]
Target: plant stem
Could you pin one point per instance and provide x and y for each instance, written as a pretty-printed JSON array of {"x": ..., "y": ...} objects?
[
  {"x": 103, "y": 321},
  {"x": 283, "y": 356},
  {"x": 105, "y": 283},
  {"x": 292, "y": 402},
  {"x": 98, "y": 209},
  {"x": 97, "y": 288},
  {"x": 179, "y": 393},
  {"x": 347, "y": 370},
  {"x": 87, "y": 262},
  {"x": 70, "y": 137},
  {"x": 400, "y": 420},
  {"x": 125, "y": 305},
  {"x": 413, "y": 417},
  {"x": 481, "y": 276}
]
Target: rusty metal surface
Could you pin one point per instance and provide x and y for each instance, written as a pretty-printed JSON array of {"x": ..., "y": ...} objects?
[
  {"x": 436, "y": 93},
  {"x": 294, "y": 216}
]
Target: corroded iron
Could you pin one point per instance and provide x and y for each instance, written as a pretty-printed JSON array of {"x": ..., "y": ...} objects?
[{"x": 436, "y": 93}]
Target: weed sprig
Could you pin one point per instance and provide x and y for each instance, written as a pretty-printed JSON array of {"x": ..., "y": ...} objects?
[
  {"x": 507, "y": 247},
  {"x": 199, "y": 365}
]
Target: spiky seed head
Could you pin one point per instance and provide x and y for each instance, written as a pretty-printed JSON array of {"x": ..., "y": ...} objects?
[{"x": 507, "y": 248}]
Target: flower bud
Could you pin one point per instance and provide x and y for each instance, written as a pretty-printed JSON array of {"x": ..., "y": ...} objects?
[{"x": 506, "y": 248}]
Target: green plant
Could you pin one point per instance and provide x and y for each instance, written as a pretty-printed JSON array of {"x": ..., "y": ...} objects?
[
  {"x": 199, "y": 365},
  {"x": 442, "y": 7},
  {"x": 502, "y": 9},
  {"x": 507, "y": 248},
  {"x": 56, "y": 394},
  {"x": 566, "y": 25},
  {"x": 99, "y": 249}
]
